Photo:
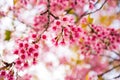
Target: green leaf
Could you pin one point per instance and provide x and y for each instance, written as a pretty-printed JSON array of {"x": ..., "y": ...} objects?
[{"x": 7, "y": 35}]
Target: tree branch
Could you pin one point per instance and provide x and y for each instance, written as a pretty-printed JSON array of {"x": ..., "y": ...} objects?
[
  {"x": 109, "y": 70},
  {"x": 116, "y": 53},
  {"x": 116, "y": 77},
  {"x": 110, "y": 57},
  {"x": 7, "y": 65},
  {"x": 48, "y": 22},
  {"x": 88, "y": 13}
]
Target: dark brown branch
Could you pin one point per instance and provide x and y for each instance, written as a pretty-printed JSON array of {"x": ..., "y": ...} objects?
[
  {"x": 96, "y": 2},
  {"x": 44, "y": 12},
  {"x": 7, "y": 65},
  {"x": 75, "y": 2},
  {"x": 117, "y": 77},
  {"x": 48, "y": 6},
  {"x": 88, "y": 13},
  {"x": 97, "y": 9},
  {"x": 60, "y": 35},
  {"x": 111, "y": 57},
  {"x": 38, "y": 39},
  {"x": 46, "y": 26},
  {"x": 67, "y": 11},
  {"x": 116, "y": 53},
  {"x": 54, "y": 16},
  {"x": 109, "y": 70}
]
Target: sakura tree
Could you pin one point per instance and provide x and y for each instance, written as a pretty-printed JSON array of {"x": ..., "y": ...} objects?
[{"x": 59, "y": 39}]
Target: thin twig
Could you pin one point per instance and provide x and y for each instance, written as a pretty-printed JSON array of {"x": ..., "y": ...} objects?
[
  {"x": 67, "y": 11},
  {"x": 46, "y": 26},
  {"x": 7, "y": 65},
  {"x": 110, "y": 57},
  {"x": 116, "y": 77},
  {"x": 88, "y": 13},
  {"x": 44, "y": 12},
  {"x": 97, "y": 9},
  {"x": 109, "y": 70},
  {"x": 54, "y": 16},
  {"x": 116, "y": 53}
]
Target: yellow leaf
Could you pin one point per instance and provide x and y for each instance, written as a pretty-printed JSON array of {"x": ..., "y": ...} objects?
[
  {"x": 89, "y": 19},
  {"x": 100, "y": 78},
  {"x": 81, "y": 40},
  {"x": 79, "y": 62},
  {"x": 103, "y": 19},
  {"x": 106, "y": 20},
  {"x": 15, "y": 1},
  {"x": 84, "y": 26},
  {"x": 7, "y": 35},
  {"x": 87, "y": 77},
  {"x": 75, "y": 48},
  {"x": 76, "y": 18},
  {"x": 71, "y": 11}
]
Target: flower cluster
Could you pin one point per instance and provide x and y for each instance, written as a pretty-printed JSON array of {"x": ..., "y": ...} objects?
[
  {"x": 56, "y": 23},
  {"x": 95, "y": 40},
  {"x": 40, "y": 21},
  {"x": 27, "y": 52},
  {"x": 8, "y": 75}
]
